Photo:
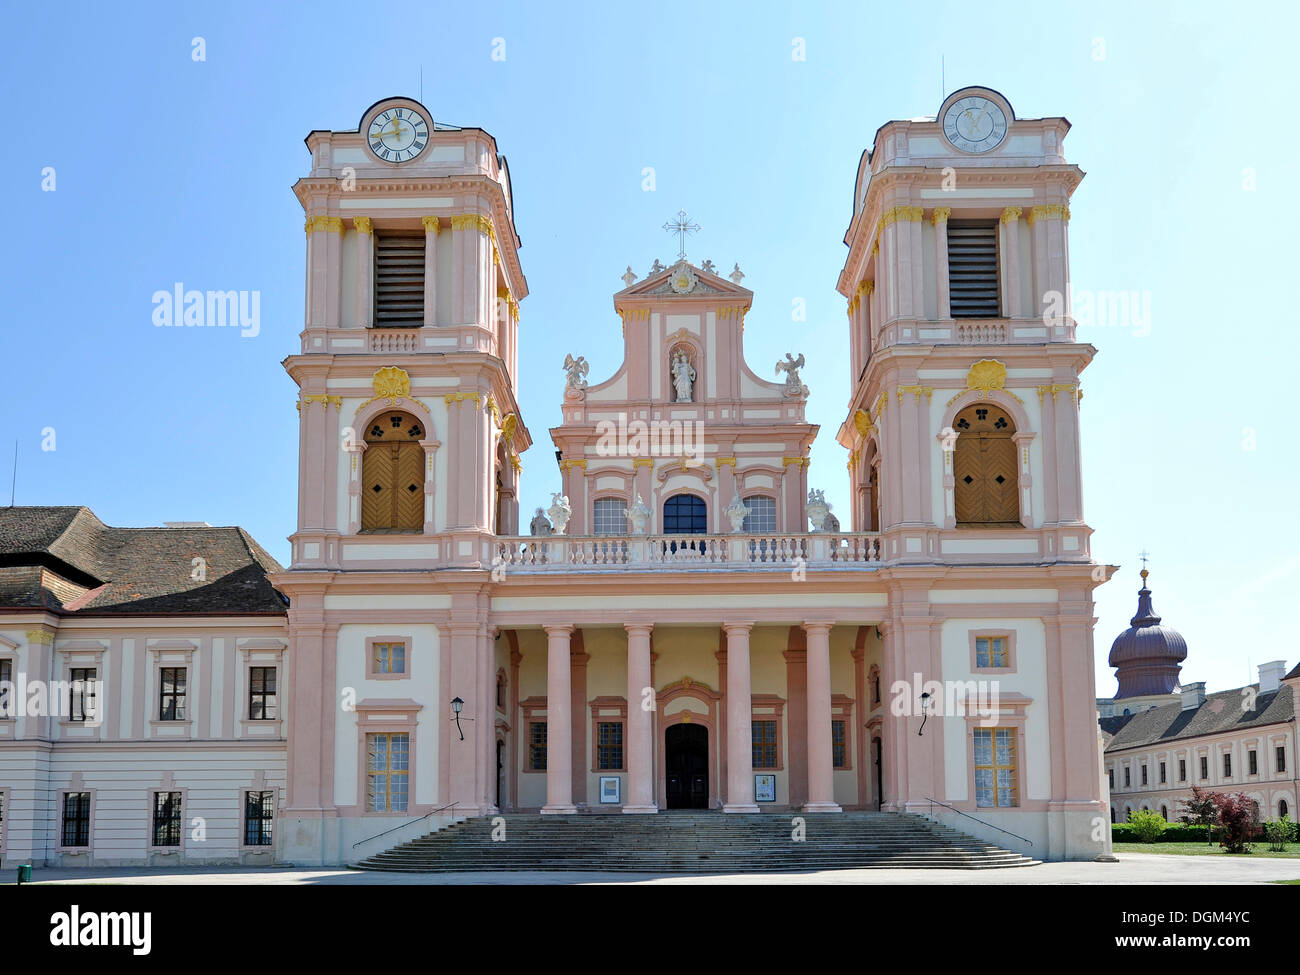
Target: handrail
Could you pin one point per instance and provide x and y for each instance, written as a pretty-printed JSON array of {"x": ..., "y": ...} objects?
[
  {"x": 433, "y": 812},
  {"x": 932, "y": 801}
]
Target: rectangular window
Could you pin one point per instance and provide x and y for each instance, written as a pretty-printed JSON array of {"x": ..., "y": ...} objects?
[
  {"x": 609, "y": 745},
  {"x": 81, "y": 694},
  {"x": 399, "y": 281},
  {"x": 262, "y": 704},
  {"x": 1227, "y": 765},
  {"x": 1162, "y": 773},
  {"x": 537, "y": 746},
  {"x": 1182, "y": 770},
  {"x": 1127, "y": 777},
  {"x": 76, "y": 819},
  {"x": 166, "y": 819},
  {"x": 6, "y": 680},
  {"x": 171, "y": 694},
  {"x": 991, "y": 651},
  {"x": 763, "y": 737},
  {"x": 390, "y": 658},
  {"x": 996, "y": 770},
  {"x": 1110, "y": 775},
  {"x": 1281, "y": 758},
  {"x": 609, "y": 516},
  {"x": 1252, "y": 762},
  {"x": 839, "y": 754},
  {"x": 761, "y": 519},
  {"x": 259, "y": 812},
  {"x": 1144, "y": 775},
  {"x": 973, "y": 268},
  {"x": 387, "y": 772},
  {"x": 1205, "y": 767}
]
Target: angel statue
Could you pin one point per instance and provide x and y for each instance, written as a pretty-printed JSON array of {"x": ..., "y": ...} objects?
[
  {"x": 683, "y": 377},
  {"x": 577, "y": 370}
]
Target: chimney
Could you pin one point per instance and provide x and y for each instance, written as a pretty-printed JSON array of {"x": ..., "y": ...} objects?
[
  {"x": 1270, "y": 675},
  {"x": 1193, "y": 695}
]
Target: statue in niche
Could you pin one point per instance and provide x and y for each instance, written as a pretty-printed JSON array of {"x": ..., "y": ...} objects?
[{"x": 683, "y": 377}]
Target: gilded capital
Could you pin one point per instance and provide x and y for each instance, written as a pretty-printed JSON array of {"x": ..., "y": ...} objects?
[
  {"x": 940, "y": 215},
  {"x": 362, "y": 225},
  {"x": 1011, "y": 214},
  {"x": 324, "y": 223},
  {"x": 431, "y": 224},
  {"x": 1057, "y": 211}
]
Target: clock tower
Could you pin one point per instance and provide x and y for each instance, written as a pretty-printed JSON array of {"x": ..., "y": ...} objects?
[{"x": 409, "y": 456}]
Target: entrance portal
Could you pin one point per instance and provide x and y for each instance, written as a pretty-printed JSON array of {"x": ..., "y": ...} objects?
[{"x": 686, "y": 763}]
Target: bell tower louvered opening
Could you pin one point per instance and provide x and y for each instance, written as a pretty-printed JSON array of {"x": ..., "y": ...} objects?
[
  {"x": 399, "y": 281},
  {"x": 973, "y": 268}
]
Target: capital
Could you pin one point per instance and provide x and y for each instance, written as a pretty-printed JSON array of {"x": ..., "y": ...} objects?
[
  {"x": 362, "y": 225},
  {"x": 431, "y": 224}
]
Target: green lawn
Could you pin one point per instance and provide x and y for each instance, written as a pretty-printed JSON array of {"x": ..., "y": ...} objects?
[{"x": 1204, "y": 849}]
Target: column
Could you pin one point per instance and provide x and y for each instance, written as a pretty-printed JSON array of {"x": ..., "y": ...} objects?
[
  {"x": 740, "y": 753},
  {"x": 940, "y": 220},
  {"x": 1010, "y": 223},
  {"x": 559, "y": 732},
  {"x": 365, "y": 271},
  {"x": 430, "y": 270},
  {"x": 640, "y": 723},
  {"x": 821, "y": 789}
]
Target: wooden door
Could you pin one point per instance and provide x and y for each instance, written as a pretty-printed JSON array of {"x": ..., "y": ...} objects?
[
  {"x": 984, "y": 469},
  {"x": 392, "y": 475}
]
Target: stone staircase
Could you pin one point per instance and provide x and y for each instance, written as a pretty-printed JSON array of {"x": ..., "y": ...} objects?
[{"x": 695, "y": 842}]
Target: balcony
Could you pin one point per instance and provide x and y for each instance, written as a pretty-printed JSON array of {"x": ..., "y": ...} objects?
[
  {"x": 972, "y": 331},
  {"x": 674, "y": 553}
]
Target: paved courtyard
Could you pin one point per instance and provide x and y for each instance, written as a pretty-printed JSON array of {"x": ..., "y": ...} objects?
[{"x": 1132, "y": 868}]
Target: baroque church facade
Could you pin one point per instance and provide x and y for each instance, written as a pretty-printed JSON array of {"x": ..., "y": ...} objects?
[{"x": 687, "y": 626}]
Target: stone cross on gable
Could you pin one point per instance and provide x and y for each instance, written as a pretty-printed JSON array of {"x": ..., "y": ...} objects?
[{"x": 681, "y": 226}]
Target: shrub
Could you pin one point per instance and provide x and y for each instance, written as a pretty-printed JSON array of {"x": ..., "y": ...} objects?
[
  {"x": 1237, "y": 816},
  {"x": 1147, "y": 827},
  {"x": 1279, "y": 833}
]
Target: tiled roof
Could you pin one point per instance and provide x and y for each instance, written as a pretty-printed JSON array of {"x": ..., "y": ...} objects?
[
  {"x": 67, "y": 560},
  {"x": 1220, "y": 713}
]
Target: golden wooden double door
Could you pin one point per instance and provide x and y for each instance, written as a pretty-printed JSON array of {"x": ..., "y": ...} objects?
[
  {"x": 392, "y": 476},
  {"x": 984, "y": 468}
]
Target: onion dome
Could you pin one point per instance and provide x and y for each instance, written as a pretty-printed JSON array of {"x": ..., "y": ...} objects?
[{"x": 1147, "y": 657}]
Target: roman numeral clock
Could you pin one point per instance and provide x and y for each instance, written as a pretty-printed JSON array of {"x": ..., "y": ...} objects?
[
  {"x": 975, "y": 123},
  {"x": 398, "y": 134}
]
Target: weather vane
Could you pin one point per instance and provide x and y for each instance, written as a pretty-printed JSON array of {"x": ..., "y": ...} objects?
[{"x": 681, "y": 227}]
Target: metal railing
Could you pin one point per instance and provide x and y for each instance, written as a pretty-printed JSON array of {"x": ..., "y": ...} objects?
[
  {"x": 934, "y": 801},
  {"x": 394, "y": 829}
]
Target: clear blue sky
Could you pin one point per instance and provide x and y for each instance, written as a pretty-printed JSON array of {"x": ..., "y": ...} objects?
[{"x": 170, "y": 170}]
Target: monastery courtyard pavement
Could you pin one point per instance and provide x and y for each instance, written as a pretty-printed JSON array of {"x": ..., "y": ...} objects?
[{"x": 1132, "y": 868}]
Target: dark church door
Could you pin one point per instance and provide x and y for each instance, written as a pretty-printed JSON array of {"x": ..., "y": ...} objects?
[{"x": 686, "y": 762}]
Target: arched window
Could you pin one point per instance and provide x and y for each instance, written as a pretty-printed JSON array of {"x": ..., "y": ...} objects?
[
  {"x": 1282, "y": 808},
  {"x": 1164, "y": 813},
  {"x": 984, "y": 467},
  {"x": 761, "y": 519},
  {"x": 392, "y": 475},
  {"x": 609, "y": 516},
  {"x": 685, "y": 514},
  {"x": 873, "y": 485}
]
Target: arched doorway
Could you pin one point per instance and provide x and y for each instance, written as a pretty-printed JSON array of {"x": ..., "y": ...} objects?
[
  {"x": 392, "y": 475},
  {"x": 984, "y": 468},
  {"x": 686, "y": 766}
]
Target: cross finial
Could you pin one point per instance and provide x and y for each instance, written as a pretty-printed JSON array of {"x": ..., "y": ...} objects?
[
  {"x": 1143, "y": 556},
  {"x": 681, "y": 227}
]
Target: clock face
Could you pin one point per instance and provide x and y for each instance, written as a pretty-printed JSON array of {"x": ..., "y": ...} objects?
[
  {"x": 975, "y": 124},
  {"x": 398, "y": 134}
]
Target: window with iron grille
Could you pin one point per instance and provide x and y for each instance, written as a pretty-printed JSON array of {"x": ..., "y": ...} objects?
[
  {"x": 76, "y": 819},
  {"x": 761, "y": 519},
  {"x": 763, "y": 738},
  {"x": 609, "y": 746},
  {"x": 839, "y": 751},
  {"x": 399, "y": 280},
  {"x": 609, "y": 516},
  {"x": 262, "y": 703},
  {"x": 973, "y": 268},
  {"x": 81, "y": 694},
  {"x": 171, "y": 694},
  {"x": 388, "y": 768},
  {"x": 166, "y": 819},
  {"x": 996, "y": 769},
  {"x": 537, "y": 746},
  {"x": 259, "y": 812}
]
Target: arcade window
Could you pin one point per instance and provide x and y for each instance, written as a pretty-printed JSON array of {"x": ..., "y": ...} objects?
[
  {"x": 261, "y": 694},
  {"x": 171, "y": 694},
  {"x": 609, "y": 746},
  {"x": 537, "y": 746},
  {"x": 763, "y": 738},
  {"x": 76, "y": 819},
  {"x": 388, "y": 762},
  {"x": 996, "y": 768},
  {"x": 259, "y": 813},
  {"x": 166, "y": 819},
  {"x": 399, "y": 280}
]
